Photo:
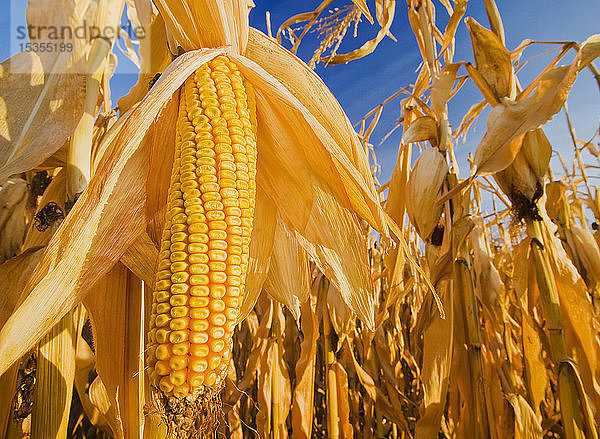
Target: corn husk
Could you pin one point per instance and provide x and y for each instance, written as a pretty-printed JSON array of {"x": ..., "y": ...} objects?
[{"x": 426, "y": 178}]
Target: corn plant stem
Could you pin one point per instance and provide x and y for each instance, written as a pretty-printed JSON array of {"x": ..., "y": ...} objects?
[
  {"x": 134, "y": 366},
  {"x": 54, "y": 380},
  {"x": 329, "y": 354},
  {"x": 79, "y": 156},
  {"x": 571, "y": 415},
  {"x": 276, "y": 390},
  {"x": 468, "y": 308}
]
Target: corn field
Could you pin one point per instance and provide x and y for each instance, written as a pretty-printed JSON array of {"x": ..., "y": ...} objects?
[{"x": 214, "y": 253}]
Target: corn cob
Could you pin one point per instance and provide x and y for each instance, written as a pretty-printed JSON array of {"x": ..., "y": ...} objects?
[{"x": 205, "y": 242}]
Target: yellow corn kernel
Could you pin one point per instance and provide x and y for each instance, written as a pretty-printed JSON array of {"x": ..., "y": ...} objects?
[{"x": 204, "y": 247}]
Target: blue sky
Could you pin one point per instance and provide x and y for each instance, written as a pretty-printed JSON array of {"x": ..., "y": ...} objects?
[{"x": 363, "y": 84}]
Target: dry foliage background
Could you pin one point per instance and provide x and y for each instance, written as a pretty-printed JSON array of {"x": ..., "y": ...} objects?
[{"x": 473, "y": 326}]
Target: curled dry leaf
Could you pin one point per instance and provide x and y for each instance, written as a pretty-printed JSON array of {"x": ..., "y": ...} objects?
[
  {"x": 421, "y": 129},
  {"x": 491, "y": 58},
  {"x": 423, "y": 187},
  {"x": 441, "y": 86}
]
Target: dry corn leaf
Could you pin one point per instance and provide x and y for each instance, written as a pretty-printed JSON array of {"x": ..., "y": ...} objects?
[
  {"x": 317, "y": 149},
  {"x": 491, "y": 58},
  {"x": 311, "y": 91},
  {"x": 42, "y": 93},
  {"x": 288, "y": 277},
  {"x": 441, "y": 86},
  {"x": 426, "y": 179},
  {"x": 527, "y": 425},
  {"x": 343, "y": 415},
  {"x": 140, "y": 258},
  {"x": 509, "y": 121},
  {"x": 341, "y": 316},
  {"x": 421, "y": 129},
  {"x": 460, "y": 7},
  {"x": 437, "y": 359}
]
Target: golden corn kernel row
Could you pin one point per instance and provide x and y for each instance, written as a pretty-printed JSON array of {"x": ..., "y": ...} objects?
[{"x": 204, "y": 250}]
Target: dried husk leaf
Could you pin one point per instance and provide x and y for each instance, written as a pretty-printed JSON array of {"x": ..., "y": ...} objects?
[
  {"x": 509, "y": 121},
  {"x": 334, "y": 240},
  {"x": 426, "y": 178},
  {"x": 314, "y": 148},
  {"x": 14, "y": 195},
  {"x": 104, "y": 222},
  {"x": 590, "y": 50},
  {"x": 261, "y": 247},
  {"x": 537, "y": 151},
  {"x": 421, "y": 129},
  {"x": 311, "y": 91},
  {"x": 42, "y": 93},
  {"x": 211, "y": 23},
  {"x": 288, "y": 276},
  {"x": 491, "y": 58}
]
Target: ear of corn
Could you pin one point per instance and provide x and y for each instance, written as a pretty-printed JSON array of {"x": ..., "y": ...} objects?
[{"x": 204, "y": 251}]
